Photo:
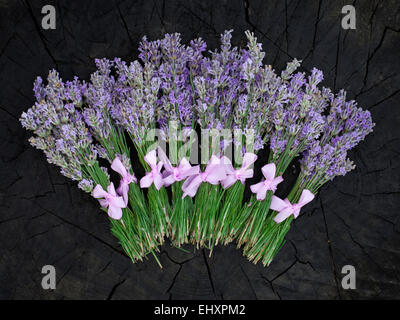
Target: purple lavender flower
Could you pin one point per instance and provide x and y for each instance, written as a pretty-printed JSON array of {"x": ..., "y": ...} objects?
[
  {"x": 344, "y": 127},
  {"x": 58, "y": 127},
  {"x": 86, "y": 185}
]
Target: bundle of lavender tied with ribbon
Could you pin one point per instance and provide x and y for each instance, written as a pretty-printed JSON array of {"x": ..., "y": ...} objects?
[
  {"x": 61, "y": 132},
  {"x": 196, "y": 122}
]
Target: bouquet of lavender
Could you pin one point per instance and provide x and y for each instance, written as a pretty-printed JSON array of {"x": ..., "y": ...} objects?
[
  {"x": 175, "y": 101},
  {"x": 65, "y": 127},
  {"x": 323, "y": 159}
]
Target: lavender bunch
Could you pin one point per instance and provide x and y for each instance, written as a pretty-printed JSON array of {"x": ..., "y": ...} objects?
[
  {"x": 259, "y": 99},
  {"x": 297, "y": 120},
  {"x": 175, "y": 65},
  {"x": 216, "y": 92},
  {"x": 232, "y": 96},
  {"x": 324, "y": 159},
  {"x": 99, "y": 101},
  {"x": 132, "y": 96},
  {"x": 61, "y": 133},
  {"x": 220, "y": 104}
]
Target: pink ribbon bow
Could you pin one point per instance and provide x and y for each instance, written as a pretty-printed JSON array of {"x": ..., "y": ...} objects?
[
  {"x": 126, "y": 180},
  {"x": 154, "y": 176},
  {"x": 285, "y": 208},
  {"x": 172, "y": 174},
  {"x": 111, "y": 200},
  {"x": 242, "y": 173},
  {"x": 213, "y": 174},
  {"x": 269, "y": 183}
]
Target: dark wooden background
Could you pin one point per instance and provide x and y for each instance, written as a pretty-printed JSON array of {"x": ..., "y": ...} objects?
[{"x": 45, "y": 219}]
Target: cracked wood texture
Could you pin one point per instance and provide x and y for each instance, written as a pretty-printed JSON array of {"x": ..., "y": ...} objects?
[{"x": 45, "y": 219}]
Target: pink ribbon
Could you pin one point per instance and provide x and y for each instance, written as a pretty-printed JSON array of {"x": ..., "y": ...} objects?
[
  {"x": 111, "y": 200},
  {"x": 126, "y": 180},
  {"x": 154, "y": 176},
  {"x": 269, "y": 183},
  {"x": 172, "y": 174},
  {"x": 242, "y": 173},
  {"x": 213, "y": 174},
  {"x": 285, "y": 208}
]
